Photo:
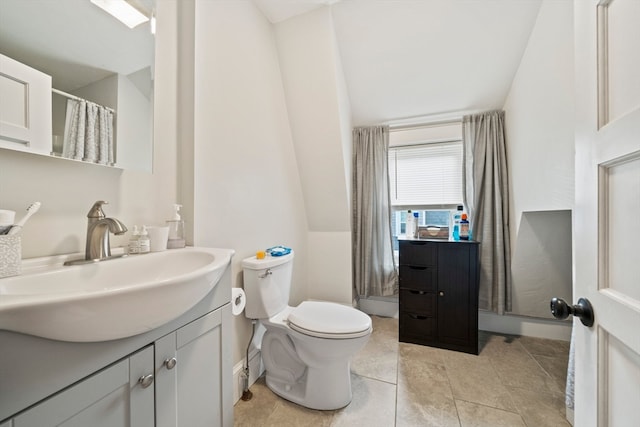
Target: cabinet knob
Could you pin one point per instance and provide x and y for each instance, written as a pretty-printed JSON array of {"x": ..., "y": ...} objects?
[
  {"x": 145, "y": 380},
  {"x": 441, "y": 293},
  {"x": 170, "y": 363}
]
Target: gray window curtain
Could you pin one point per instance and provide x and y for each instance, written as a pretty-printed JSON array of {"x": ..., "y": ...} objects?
[
  {"x": 374, "y": 269},
  {"x": 486, "y": 195}
]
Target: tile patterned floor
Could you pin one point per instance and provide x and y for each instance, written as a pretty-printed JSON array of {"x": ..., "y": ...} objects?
[{"x": 513, "y": 382}]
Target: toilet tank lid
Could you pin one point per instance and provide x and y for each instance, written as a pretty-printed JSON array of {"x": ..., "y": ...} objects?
[
  {"x": 253, "y": 263},
  {"x": 329, "y": 318}
]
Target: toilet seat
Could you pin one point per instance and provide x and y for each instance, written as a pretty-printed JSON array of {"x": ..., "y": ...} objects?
[{"x": 329, "y": 320}]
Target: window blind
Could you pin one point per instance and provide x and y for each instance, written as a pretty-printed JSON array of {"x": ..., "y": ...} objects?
[{"x": 426, "y": 175}]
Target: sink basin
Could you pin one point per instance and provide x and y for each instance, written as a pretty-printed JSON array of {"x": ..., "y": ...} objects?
[{"x": 110, "y": 299}]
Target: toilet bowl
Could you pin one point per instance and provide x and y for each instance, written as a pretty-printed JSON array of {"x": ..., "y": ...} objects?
[{"x": 306, "y": 349}]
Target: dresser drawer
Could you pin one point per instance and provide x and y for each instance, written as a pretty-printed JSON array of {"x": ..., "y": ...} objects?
[
  {"x": 418, "y": 302},
  {"x": 416, "y": 326},
  {"x": 422, "y": 278},
  {"x": 415, "y": 252}
]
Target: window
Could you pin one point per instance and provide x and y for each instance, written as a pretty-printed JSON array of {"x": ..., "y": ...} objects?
[{"x": 425, "y": 175}]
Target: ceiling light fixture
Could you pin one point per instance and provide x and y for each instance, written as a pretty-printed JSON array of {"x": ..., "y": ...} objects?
[{"x": 122, "y": 11}]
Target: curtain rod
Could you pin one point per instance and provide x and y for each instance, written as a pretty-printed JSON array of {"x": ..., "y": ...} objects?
[
  {"x": 423, "y": 125},
  {"x": 416, "y": 122},
  {"x": 77, "y": 98}
]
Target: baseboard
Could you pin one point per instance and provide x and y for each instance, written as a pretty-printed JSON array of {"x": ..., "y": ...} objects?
[
  {"x": 379, "y": 306},
  {"x": 255, "y": 371},
  {"x": 522, "y": 325},
  {"x": 487, "y": 321}
]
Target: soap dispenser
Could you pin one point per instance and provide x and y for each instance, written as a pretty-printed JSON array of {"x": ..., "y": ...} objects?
[
  {"x": 144, "y": 242},
  {"x": 176, "y": 229},
  {"x": 134, "y": 241}
]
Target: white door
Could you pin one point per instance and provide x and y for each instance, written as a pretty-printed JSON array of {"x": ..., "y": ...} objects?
[{"x": 607, "y": 211}]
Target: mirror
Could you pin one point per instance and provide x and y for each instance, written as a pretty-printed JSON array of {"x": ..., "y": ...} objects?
[{"x": 90, "y": 55}]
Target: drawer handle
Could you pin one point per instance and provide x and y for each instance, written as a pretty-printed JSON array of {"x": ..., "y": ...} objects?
[
  {"x": 418, "y": 292},
  {"x": 413, "y": 267},
  {"x": 441, "y": 293},
  {"x": 414, "y": 243},
  {"x": 418, "y": 317}
]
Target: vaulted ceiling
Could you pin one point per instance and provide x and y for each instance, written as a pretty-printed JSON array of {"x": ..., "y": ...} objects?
[
  {"x": 411, "y": 59},
  {"x": 402, "y": 59}
]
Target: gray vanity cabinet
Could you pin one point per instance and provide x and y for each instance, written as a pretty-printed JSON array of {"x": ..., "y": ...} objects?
[
  {"x": 50, "y": 383},
  {"x": 109, "y": 398},
  {"x": 191, "y": 369}
]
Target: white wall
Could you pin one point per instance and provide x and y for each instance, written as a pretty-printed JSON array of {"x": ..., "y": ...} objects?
[
  {"x": 540, "y": 145},
  {"x": 319, "y": 113},
  {"x": 134, "y": 133},
  {"x": 540, "y": 116},
  {"x": 246, "y": 188},
  {"x": 67, "y": 189}
]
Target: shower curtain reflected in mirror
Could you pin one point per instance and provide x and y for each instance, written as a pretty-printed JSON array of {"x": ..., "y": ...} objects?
[{"x": 88, "y": 132}]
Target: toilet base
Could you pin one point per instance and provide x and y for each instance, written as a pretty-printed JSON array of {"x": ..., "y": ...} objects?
[
  {"x": 311, "y": 371},
  {"x": 311, "y": 390}
]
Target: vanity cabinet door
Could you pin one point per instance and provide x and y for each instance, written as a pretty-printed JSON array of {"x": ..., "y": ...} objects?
[
  {"x": 25, "y": 107},
  {"x": 112, "y": 397},
  {"x": 193, "y": 372}
]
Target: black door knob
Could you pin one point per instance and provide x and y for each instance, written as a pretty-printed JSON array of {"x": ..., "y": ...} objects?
[{"x": 583, "y": 309}]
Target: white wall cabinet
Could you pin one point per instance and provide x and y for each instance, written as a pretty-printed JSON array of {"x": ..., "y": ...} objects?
[{"x": 25, "y": 107}]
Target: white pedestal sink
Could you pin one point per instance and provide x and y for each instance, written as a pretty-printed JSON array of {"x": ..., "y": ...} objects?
[{"x": 109, "y": 300}]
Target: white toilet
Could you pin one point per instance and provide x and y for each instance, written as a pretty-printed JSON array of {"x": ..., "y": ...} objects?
[{"x": 306, "y": 349}]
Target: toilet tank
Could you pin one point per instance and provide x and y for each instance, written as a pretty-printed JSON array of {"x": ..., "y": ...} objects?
[{"x": 267, "y": 283}]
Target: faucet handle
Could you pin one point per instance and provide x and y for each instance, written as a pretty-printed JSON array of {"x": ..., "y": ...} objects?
[{"x": 96, "y": 210}]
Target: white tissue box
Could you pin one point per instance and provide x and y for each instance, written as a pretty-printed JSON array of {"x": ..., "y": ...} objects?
[{"x": 10, "y": 255}]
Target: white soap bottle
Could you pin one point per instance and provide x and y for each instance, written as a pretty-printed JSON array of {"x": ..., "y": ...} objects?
[
  {"x": 134, "y": 241},
  {"x": 145, "y": 244},
  {"x": 176, "y": 229},
  {"x": 410, "y": 225}
]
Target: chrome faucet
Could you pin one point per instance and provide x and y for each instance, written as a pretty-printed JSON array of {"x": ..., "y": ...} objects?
[
  {"x": 99, "y": 226},
  {"x": 98, "y": 229}
]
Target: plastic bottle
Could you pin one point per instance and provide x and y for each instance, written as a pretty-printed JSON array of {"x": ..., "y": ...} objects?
[
  {"x": 410, "y": 226},
  {"x": 176, "y": 229},
  {"x": 464, "y": 227},
  {"x": 145, "y": 243},
  {"x": 416, "y": 222},
  {"x": 134, "y": 242},
  {"x": 456, "y": 218}
]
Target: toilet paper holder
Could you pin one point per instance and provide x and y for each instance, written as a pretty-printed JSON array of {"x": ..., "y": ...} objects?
[{"x": 238, "y": 301}]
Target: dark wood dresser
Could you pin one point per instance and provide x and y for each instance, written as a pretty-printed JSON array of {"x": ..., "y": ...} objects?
[{"x": 439, "y": 294}]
